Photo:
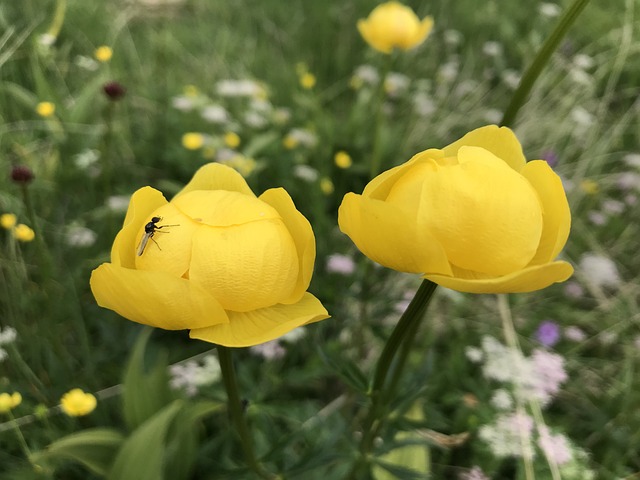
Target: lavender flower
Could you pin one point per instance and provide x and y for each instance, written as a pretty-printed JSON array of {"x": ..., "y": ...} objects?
[{"x": 548, "y": 333}]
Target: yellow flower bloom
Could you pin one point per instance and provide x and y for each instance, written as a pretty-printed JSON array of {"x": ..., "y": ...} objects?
[
  {"x": 473, "y": 216},
  {"x": 192, "y": 140},
  {"x": 231, "y": 139},
  {"x": 233, "y": 268},
  {"x": 103, "y": 54},
  {"x": 290, "y": 142},
  {"x": 23, "y": 233},
  {"x": 326, "y": 185},
  {"x": 45, "y": 109},
  {"x": 307, "y": 81},
  {"x": 393, "y": 25},
  {"x": 8, "y": 220},
  {"x": 77, "y": 403},
  {"x": 9, "y": 402},
  {"x": 342, "y": 159},
  {"x": 590, "y": 187}
]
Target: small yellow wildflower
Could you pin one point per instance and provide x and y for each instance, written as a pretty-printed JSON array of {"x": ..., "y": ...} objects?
[
  {"x": 307, "y": 81},
  {"x": 9, "y": 402},
  {"x": 192, "y": 140},
  {"x": 8, "y": 220},
  {"x": 45, "y": 109},
  {"x": 590, "y": 187},
  {"x": 103, "y": 54},
  {"x": 191, "y": 91},
  {"x": 342, "y": 159},
  {"x": 290, "y": 142},
  {"x": 231, "y": 139},
  {"x": 326, "y": 185},
  {"x": 77, "y": 403},
  {"x": 23, "y": 233}
]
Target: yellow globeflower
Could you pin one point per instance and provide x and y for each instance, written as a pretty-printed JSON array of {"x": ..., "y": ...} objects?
[
  {"x": 231, "y": 139},
  {"x": 307, "y": 80},
  {"x": 77, "y": 403},
  {"x": 9, "y": 402},
  {"x": 473, "y": 216},
  {"x": 342, "y": 159},
  {"x": 192, "y": 141},
  {"x": 103, "y": 54},
  {"x": 23, "y": 233},
  {"x": 45, "y": 109},
  {"x": 8, "y": 220},
  {"x": 393, "y": 25},
  {"x": 230, "y": 267},
  {"x": 326, "y": 185}
]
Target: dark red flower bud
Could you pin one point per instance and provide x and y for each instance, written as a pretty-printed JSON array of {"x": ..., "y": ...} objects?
[
  {"x": 21, "y": 174},
  {"x": 114, "y": 91}
]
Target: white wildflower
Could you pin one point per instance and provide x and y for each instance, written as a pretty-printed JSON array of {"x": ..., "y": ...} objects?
[
  {"x": 215, "y": 114},
  {"x": 305, "y": 172},
  {"x": 600, "y": 270},
  {"x": 78, "y": 236},
  {"x": 550, "y": 10}
]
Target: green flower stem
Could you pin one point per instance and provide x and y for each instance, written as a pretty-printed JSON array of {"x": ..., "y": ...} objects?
[
  {"x": 381, "y": 388},
  {"x": 376, "y": 154},
  {"x": 236, "y": 412},
  {"x": 21, "y": 439},
  {"x": 541, "y": 60},
  {"x": 44, "y": 258}
]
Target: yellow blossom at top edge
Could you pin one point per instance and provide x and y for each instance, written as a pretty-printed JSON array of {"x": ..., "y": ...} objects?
[
  {"x": 9, "y": 402},
  {"x": 8, "y": 220},
  {"x": 290, "y": 142},
  {"x": 590, "y": 187},
  {"x": 45, "y": 109},
  {"x": 192, "y": 140},
  {"x": 307, "y": 81},
  {"x": 342, "y": 159},
  {"x": 23, "y": 233},
  {"x": 103, "y": 53},
  {"x": 326, "y": 185},
  {"x": 231, "y": 139},
  {"x": 77, "y": 403},
  {"x": 393, "y": 25}
]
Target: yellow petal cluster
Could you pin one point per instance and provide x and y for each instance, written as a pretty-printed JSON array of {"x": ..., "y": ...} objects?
[
  {"x": 473, "y": 216},
  {"x": 77, "y": 403},
  {"x": 9, "y": 401},
  {"x": 192, "y": 140},
  {"x": 231, "y": 267},
  {"x": 103, "y": 53},
  {"x": 23, "y": 233},
  {"x": 231, "y": 139},
  {"x": 393, "y": 25},
  {"x": 45, "y": 109},
  {"x": 342, "y": 159},
  {"x": 8, "y": 220}
]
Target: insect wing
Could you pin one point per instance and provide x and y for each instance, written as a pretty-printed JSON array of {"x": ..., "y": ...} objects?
[{"x": 143, "y": 243}]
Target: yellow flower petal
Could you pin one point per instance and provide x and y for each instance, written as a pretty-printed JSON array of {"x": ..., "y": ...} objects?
[
  {"x": 501, "y": 141},
  {"x": 526, "y": 280},
  {"x": 555, "y": 210},
  {"x": 389, "y": 236},
  {"x": 252, "y": 266},
  {"x": 215, "y": 176},
  {"x": 258, "y": 326},
  {"x": 141, "y": 207},
  {"x": 223, "y": 208},
  {"x": 302, "y": 234},
  {"x": 481, "y": 229},
  {"x": 169, "y": 249},
  {"x": 157, "y": 299}
]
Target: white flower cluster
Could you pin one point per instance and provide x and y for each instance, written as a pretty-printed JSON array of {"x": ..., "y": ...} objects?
[
  {"x": 191, "y": 375},
  {"x": 7, "y": 335}
]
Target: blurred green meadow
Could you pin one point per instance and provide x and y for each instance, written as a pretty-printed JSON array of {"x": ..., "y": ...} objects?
[{"x": 276, "y": 90}]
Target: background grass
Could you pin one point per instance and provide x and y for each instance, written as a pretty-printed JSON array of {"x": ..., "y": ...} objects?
[{"x": 587, "y": 115}]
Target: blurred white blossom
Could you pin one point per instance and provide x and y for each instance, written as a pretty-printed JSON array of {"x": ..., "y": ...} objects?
[
  {"x": 192, "y": 375},
  {"x": 601, "y": 271}
]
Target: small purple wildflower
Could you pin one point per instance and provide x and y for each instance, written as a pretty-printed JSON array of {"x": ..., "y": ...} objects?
[
  {"x": 548, "y": 333},
  {"x": 550, "y": 157},
  {"x": 342, "y": 264}
]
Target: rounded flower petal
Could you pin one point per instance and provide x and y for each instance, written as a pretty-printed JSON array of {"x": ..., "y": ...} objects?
[
  {"x": 157, "y": 299},
  {"x": 528, "y": 279},
  {"x": 258, "y": 326},
  {"x": 255, "y": 264},
  {"x": 215, "y": 176},
  {"x": 302, "y": 234}
]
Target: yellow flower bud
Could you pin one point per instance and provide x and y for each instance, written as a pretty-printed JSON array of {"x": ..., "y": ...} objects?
[
  {"x": 9, "y": 402},
  {"x": 23, "y": 233},
  {"x": 473, "y": 216},
  {"x": 77, "y": 403},
  {"x": 8, "y": 220},
  {"x": 231, "y": 140},
  {"x": 231, "y": 267},
  {"x": 103, "y": 53},
  {"x": 192, "y": 141},
  {"x": 342, "y": 159},
  {"x": 45, "y": 109},
  {"x": 393, "y": 25},
  {"x": 307, "y": 81}
]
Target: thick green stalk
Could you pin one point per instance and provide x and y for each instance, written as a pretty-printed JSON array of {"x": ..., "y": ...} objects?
[
  {"x": 541, "y": 60},
  {"x": 236, "y": 412},
  {"x": 403, "y": 333}
]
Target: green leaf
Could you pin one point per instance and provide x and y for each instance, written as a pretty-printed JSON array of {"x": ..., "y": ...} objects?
[
  {"x": 85, "y": 103},
  {"x": 348, "y": 370},
  {"x": 144, "y": 393},
  {"x": 95, "y": 449},
  {"x": 143, "y": 454},
  {"x": 259, "y": 143}
]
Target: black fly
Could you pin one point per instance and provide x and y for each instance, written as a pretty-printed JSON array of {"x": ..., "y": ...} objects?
[{"x": 150, "y": 230}]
